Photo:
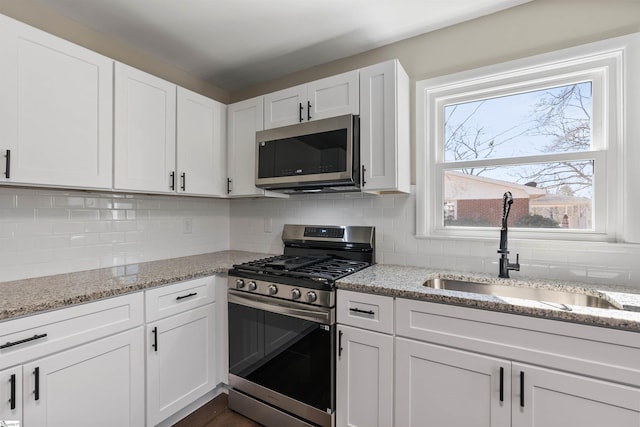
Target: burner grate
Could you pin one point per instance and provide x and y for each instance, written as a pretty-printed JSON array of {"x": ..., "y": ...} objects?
[{"x": 321, "y": 268}]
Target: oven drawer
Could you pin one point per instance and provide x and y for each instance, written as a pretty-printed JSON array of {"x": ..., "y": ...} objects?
[
  {"x": 179, "y": 297},
  {"x": 367, "y": 311}
]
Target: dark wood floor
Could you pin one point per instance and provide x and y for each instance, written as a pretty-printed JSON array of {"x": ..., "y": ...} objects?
[{"x": 216, "y": 413}]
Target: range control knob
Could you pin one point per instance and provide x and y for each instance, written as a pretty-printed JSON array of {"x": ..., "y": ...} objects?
[
  {"x": 252, "y": 286},
  {"x": 312, "y": 296},
  {"x": 296, "y": 294},
  {"x": 273, "y": 290},
  {"x": 239, "y": 283}
]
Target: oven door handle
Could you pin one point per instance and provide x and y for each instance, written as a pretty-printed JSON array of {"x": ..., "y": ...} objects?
[{"x": 315, "y": 314}]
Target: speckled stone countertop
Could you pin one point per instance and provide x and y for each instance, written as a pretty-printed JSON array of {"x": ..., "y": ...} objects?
[
  {"x": 407, "y": 282},
  {"x": 31, "y": 296}
]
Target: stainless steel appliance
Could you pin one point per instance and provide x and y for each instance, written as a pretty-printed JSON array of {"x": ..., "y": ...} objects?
[
  {"x": 316, "y": 156},
  {"x": 282, "y": 324}
]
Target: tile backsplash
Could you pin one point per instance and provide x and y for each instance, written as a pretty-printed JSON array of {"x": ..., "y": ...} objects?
[
  {"x": 45, "y": 232},
  {"x": 256, "y": 225}
]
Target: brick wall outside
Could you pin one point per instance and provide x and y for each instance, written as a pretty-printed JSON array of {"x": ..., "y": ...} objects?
[{"x": 490, "y": 211}]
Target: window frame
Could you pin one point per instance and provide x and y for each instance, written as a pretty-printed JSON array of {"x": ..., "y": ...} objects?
[{"x": 600, "y": 62}]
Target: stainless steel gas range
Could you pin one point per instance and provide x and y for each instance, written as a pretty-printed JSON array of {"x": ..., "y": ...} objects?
[{"x": 282, "y": 324}]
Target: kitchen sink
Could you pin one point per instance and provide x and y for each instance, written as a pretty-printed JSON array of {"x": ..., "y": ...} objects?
[{"x": 558, "y": 299}]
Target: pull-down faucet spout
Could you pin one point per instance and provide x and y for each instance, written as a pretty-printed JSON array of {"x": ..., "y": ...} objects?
[{"x": 505, "y": 265}]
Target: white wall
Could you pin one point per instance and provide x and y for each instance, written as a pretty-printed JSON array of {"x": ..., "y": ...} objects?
[
  {"x": 394, "y": 219},
  {"x": 45, "y": 232}
]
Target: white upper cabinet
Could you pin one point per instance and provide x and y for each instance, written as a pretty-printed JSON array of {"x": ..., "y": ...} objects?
[
  {"x": 244, "y": 119},
  {"x": 329, "y": 97},
  {"x": 201, "y": 149},
  {"x": 55, "y": 110},
  {"x": 145, "y": 132},
  {"x": 384, "y": 128}
]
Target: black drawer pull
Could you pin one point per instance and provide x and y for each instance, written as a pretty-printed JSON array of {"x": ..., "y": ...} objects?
[
  {"x": 183, "y": 187},
  {"x": 192, "y": 294},
  {"x": 12, "y": 399},
  {"x": 36, "y": 389},
  {"x": 154, "y": 331},
  {"x": 363, "y": 171},
  {"x": 357, "y": 310},
  {"x": 228, "y": 185},
  {"x": 11, "y": 344},
  {"x": 301, "y": 108},
  {"x": 308, "y": 110},
  {"x": 339, "y": 343},
  {"x": 7, "y": 171},
  {"x": 172, "y": 185}
]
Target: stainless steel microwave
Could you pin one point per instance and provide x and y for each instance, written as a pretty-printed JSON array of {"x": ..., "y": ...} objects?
[{"x": 316, "y": 156}]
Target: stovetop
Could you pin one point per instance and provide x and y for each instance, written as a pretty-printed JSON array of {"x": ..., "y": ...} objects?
[{"x": 324, "y": 269}]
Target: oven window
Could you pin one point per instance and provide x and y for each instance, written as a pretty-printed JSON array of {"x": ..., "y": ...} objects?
[
  {"x": 323, "y": 152},
  {"x": 285, "y": 354}
]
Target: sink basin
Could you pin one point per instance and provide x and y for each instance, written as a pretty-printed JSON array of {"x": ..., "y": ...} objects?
[{"x": 558, "y": 299}]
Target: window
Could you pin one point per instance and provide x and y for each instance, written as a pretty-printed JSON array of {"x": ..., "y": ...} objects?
[{"x": 546, "y": 129}]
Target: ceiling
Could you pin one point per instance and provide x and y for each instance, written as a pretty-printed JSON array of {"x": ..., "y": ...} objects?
[{"x": 239, "y": 43}]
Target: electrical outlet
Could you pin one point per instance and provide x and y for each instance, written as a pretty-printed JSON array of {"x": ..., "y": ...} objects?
[{"x": 187, "y": 226}]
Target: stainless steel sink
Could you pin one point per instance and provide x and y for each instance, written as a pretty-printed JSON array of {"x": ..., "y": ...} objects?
[{"x": 558, "y": 299}]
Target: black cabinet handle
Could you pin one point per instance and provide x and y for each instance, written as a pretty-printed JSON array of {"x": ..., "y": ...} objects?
[
  {"x": 155, "y": 339},
  {"x": 7, "y": 171},
  {"x": 11, "y": 344},
  {"x": 36, "y": 389},
  {"x": 339, "y": 343},
  {"x": 301, "y": 108},
  {"x": 192, "y": 294},
  {"x": 357, "y": 310},
  {"x": 12, "y": 399},
  {"x": 172, "y": 186},
  {"x": 228, "y": 185},
  {"x": 308, "y": 110},
  {"x": 184, "y": 181},
  {"x": 363, "y": 171},
  {"x": 501, "y": 384},
  {"x": 521, "y": 389}
]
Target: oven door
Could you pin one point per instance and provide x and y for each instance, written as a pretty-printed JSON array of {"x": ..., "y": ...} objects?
[{"x": 282, "y": 353}]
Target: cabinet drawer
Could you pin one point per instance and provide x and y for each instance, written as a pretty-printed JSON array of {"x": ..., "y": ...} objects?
[
  {"x": 179, "y": 297},
  {"x": 373, "y": 312},
  {"x": 41, "y": 334}
]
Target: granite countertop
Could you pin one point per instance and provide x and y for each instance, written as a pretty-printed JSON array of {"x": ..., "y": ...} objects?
[
  {"x": 32, "y": 296},
  {"x": 407, "y": 282}
]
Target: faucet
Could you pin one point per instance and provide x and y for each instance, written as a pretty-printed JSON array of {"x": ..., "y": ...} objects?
[{"x": 505, "y": 265}]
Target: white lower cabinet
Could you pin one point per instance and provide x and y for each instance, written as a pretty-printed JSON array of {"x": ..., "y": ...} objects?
[
  {"x": 550, "y": 398},
  {"x": 449, "y": 387},
  {"x": 78, "y": 366},
  {"x": 182, "y": 363},
  {"x": 365, "y": 378},
  {"x": 364, "y": 368},
  {"x": 11, "y": 394},
  {"x": 99, "y": 384},
  {"x": 413, "y": 363}
]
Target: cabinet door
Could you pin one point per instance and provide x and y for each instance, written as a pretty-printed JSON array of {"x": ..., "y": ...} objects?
[
  {"x": 285, "y": 107},
  {"x": 56, "y": 115},
  {"x": 244, "y": 118},
  {"x": 557, "y": 399},
  {"x": 145, "y": 132},
  {"x": 364, "y": 395},
  {"x": 333, "y": 96},
  {"x": 384, "y": 128},
  {"x": 201, "y": 142},
  {"x": 181, "y": 363},
  {"x": 449, "y": 387},
  {"x": 100, "y": 384},
  {"x": 11, "y": 395}
]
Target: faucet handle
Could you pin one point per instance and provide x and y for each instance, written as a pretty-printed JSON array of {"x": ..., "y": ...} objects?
[{"x": 515, "y": 266}]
